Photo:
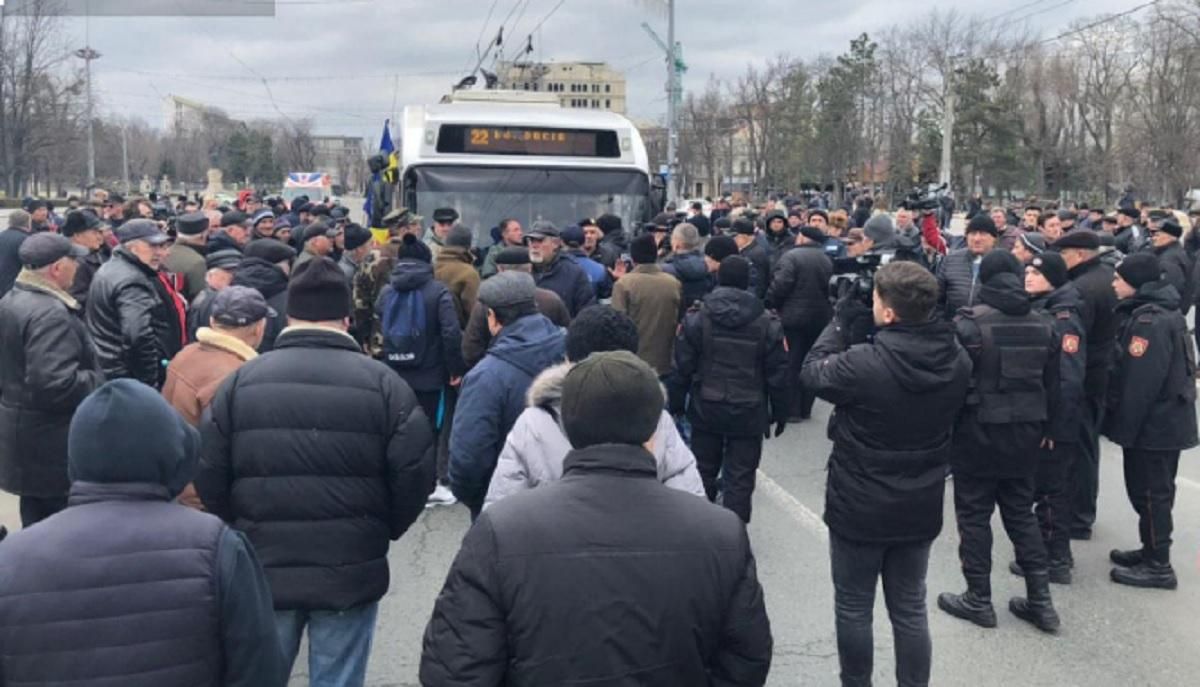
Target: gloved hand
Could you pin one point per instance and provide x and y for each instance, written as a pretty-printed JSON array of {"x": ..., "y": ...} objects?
[
  {"x": 779, "y": 427},
  {"x": 855, "y": 320}
]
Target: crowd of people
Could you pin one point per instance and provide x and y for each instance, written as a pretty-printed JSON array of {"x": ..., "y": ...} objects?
[{"x": 236, "y": 408}]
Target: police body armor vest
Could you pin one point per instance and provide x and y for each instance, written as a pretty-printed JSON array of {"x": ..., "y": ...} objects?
[
  {"x": 731, "y": 367},
  {"x": 1008, "y": 381}
]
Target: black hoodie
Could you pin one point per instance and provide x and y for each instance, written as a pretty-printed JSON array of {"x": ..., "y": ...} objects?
[
  {"x": 742, "y": 409},
  {"x": 271, "y": 281},
  {"x": 896, "y": 402}
]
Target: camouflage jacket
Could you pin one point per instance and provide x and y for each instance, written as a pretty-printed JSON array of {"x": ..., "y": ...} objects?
[{"x": 368, "y": 284}]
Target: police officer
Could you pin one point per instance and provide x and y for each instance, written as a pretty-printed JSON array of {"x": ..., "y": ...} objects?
[
  {"x": 1151, "y": 412},
  {"x": 996, "y": 439},
  {"x": 730, "y": 358},
  {"x": 1054, "y": 295},
  {"x": 1093, "y": 277},
  {"x": 1176, "y": 265}
]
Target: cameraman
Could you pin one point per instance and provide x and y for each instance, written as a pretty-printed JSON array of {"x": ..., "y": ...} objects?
[{"x": 896, "y": 400}]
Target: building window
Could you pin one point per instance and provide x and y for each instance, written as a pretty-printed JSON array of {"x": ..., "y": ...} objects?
[
  {"x": 596, "y": 103},
  {"x": 607, "y": 88},
  {"x": 607, "y": 104}
]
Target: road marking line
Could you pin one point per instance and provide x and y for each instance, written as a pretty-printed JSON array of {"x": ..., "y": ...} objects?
[
  {"x": 799, "y": 512},
  {"x": 1188, "y": 482}
]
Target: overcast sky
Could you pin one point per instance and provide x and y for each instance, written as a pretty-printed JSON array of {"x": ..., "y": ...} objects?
[{"x": 348, "y": 64}]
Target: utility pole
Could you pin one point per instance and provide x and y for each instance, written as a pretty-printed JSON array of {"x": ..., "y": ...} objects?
[
  {"x": 947, "y": 136},
  {"x": 675, "y": 69},
  {"x": 945, "y": 172},
  {"x": 87, "y": 54},
  {"x": 125, "y": 158}
]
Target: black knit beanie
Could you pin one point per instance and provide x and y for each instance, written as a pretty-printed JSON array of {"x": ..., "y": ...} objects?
[
  {"x": 999, "y": 262},
  {"x": 318, "y": 292},
  {"x": 1140, "y": 269}
]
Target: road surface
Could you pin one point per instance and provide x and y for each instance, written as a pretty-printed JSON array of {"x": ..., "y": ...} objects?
[{"x": 1111, "y": 635}]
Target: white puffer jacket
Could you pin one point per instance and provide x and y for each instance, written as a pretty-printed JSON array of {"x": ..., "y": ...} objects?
[{"x": 537, "y": 445}]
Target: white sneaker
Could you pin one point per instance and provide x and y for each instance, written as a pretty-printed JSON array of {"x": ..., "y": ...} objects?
[{"x": 441, "y": 496}]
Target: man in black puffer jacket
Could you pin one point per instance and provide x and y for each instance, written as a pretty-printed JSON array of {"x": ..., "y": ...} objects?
[
  {"x": 545, "y": 577},
  {"x": 800, "y": 292},
  {"x": 896, "y": 402},
  {"x": 320, "y": 455},
  {"x": 130, "y": 313},
  {"x": 265, "y": 269}
]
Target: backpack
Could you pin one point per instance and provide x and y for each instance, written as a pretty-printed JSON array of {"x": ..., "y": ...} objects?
[{"x": 404, "y": 329}]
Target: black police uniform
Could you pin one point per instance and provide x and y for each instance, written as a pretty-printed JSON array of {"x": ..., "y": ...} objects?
[
  {"x": 1053, "y": 503},
  {"x": 1094, "y": 280},
  {"x": 996, "y": 439},
  {"x": 731, "y": 364},
  {"x": 1152, "y": 415},
  {"x": 1177, "y": 269}
]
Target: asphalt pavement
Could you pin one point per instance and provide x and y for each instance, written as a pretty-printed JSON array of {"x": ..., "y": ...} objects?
[{"x": 1111, "y": 635}]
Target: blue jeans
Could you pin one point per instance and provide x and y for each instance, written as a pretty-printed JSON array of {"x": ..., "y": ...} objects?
[{"x": 339, "y": 643}]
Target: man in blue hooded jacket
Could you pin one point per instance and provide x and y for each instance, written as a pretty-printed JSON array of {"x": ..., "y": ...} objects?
[{"x": 524, "y": 344}]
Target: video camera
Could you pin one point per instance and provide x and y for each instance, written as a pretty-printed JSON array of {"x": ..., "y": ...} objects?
[
  {"x": 925, "y": 199},
  {"x": 855, "y": 278}
]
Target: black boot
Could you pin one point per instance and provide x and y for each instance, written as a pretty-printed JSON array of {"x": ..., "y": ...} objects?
[
  {"x": 1126, "y": 559},
  {"x": 1060, "y": 571},
  {"x": 1037, "y": 609},
  {"x": 974, "y": 605},
  {"x": 1148, "y": 574}
]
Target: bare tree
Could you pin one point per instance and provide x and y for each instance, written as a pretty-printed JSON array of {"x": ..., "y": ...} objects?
[
  {"x": 32, "y": 98},
  {"x": 295, "y": 145}
]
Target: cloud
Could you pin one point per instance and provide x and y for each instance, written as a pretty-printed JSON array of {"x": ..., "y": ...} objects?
[{"x": 344, "y": 63}]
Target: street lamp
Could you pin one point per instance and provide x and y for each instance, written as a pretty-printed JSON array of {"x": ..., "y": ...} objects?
[{"x": 87, "y": 54}]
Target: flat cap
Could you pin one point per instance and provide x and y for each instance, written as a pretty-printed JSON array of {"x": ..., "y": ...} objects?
[
  {"x": 46, "y": 248},
  {"x": 238, "y": 306},
  {"x": 513, "y": 255},
  {"x": 143, "y": 230},
  {"x": 234, "y": 217},
  {"x": 191, "y": 224},
  {"x": 227, "y": 259},
  {"x": 507, "y": 289},
  {"x": 543, "y": 230},
  {"x": 1080, "y": 238},
  {"x": 445, "y": 215},
  {"x": 270, "y": 250},
  {"x": 355, "y": 235},
  {"x": 79, "y": 221}
]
